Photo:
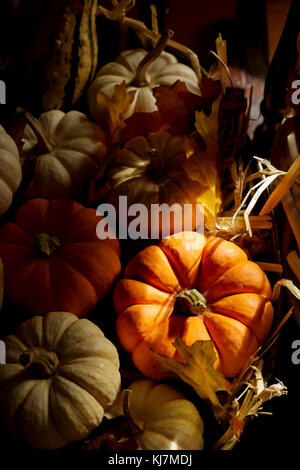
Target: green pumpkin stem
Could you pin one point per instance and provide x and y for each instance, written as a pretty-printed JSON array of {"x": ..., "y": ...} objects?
[
  {"x": 191, "y": 302},
  {"x": 45, "y": 143},
  {"x": 140, "y": 78},
  {"x": 42, "y": 363},
  {"x": 46, "y": 245}
]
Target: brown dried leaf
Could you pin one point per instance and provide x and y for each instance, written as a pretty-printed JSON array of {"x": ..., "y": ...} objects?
[
  {"x": 203, "y": 166},
  {"x": 198, "y": 371},
  {"x": 113, "y": 110}
]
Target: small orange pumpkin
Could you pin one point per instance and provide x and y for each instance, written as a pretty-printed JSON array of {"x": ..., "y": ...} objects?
[
  {"x": 198, "y": 288},
  {"x": 53, "y": 260}
]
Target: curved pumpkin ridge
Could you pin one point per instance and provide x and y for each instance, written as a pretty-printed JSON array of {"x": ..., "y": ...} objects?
[
  {"x": 15, "y": 393},
  {"x": 60, "y": 211},
  {"x": 88, "y": 373},
  {"x": 15, "y": 280},
  {"x": 31, "y": 332},
  {"x": 41, "y": 275},
  {"x": 152, "y": 266},
  {"x": 14, "y": 347},
  {"x": 234, "y": 342},
  {"x": 66, "y": 281},
  {"x": 130, "y": 292},
  {"x": 143, "y": 356},
  {"x": 184, "y": 253},
  {"x": 71, "y": 165},
  {"x": 53, "y": 331},
  {"x": 218, "y": 257},
  {"x": 39, "y": 419},
  {"x": 12, "y": 234},
  {"x": 51, "y": 179},
  {"x": 253, "y": 310},
  {"x": 73, "y": 405},
  {"x": 85, "y": 260},
  {"x": 32, "y": 217},
  {"x": 138, "y": 322},
  {"x": 244, "y": 277},
  {"x": 80, "y": 226}
]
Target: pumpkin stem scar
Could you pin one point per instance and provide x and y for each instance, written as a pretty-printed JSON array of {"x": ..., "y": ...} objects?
[
  {"x": 42, "y": 363},
  {"x": 140, "y": 78},
  {"x": 191, "y": 302},
  {"x": 45, "y": 143},
  {"x": 46, "y": 245}
]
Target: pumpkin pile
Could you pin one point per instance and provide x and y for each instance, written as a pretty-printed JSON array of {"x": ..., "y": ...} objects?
[{"x": 113, "y": 344}]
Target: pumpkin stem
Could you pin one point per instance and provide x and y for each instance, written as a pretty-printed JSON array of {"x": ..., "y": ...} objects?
[
  {"x": 136, "y": 430},
  {"x": 42, "y": 363},
  {"x": 140, "y": 78},
  {"x": 191, "y": 302},
  {"x": 156, "y": 168},
  {"x": 46, "y": 245},
  {"x": 45, "y": 143}
]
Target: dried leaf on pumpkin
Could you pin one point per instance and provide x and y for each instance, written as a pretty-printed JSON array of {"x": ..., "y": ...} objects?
[
  {"x": 203, "y": 167},
  {"x": 113, "y": 110},
  {"x": 198, "y": 371},
  {"x": 176, "y": 107}
]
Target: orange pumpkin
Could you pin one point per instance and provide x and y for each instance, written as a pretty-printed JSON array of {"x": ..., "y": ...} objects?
[
  {"x": 53, "y": 260},
  {"x": 197, "y": 288}
]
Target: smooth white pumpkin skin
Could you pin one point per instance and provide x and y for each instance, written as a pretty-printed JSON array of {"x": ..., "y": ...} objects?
[
  {"x": 169, "y": 421},
  {"x": 165, "y": 70},
  {"x": 79, "y": 146},
  {"x": 10, "y": 170},
  {"x": 49, "y": 413}
]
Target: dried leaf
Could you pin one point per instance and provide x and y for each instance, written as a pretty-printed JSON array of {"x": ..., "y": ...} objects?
[
  {"x": 221, "y": 71},
  {"x": 285, "y": 283},
  {"x": 237, "y": 426},
  {"x": 275, "y": 390},
  {"x": 176, "y": 110},
  {"x": 198, "y": 370},
  {"x": 113, "y": 110},
  {"x": 202, "y": 167},
  {"x": 116, "y": 427}
]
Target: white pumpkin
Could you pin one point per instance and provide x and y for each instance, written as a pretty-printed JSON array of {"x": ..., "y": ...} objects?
[
  {"x": 61, "y": 374},
  {"x": 167, "y": 419},
  {"x": 141, "y": 77},
  {"x": 68, "y": 147},
  {"x": 10, "y": 170}
]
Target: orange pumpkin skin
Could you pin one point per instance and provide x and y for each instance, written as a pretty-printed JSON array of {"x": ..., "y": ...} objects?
[
  {"x": 79, "y": 269},
  {"x": 238, "y": 313}
]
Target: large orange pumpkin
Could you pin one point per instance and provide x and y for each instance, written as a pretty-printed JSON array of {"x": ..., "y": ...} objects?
[
  {"x": 53, "y": 260},
  {"x": 197, "y": 288}
]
